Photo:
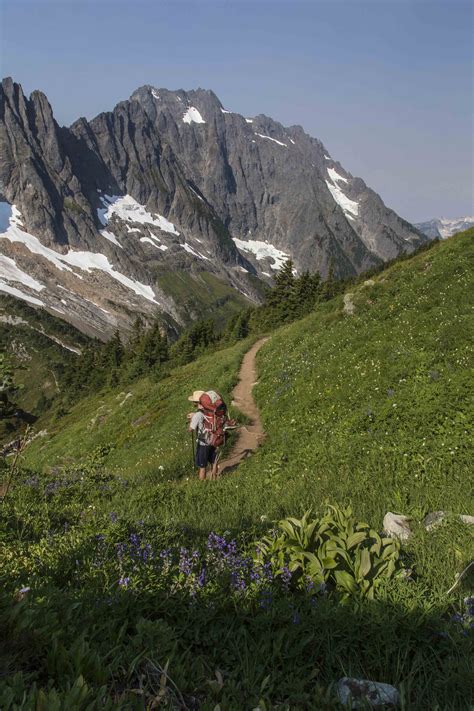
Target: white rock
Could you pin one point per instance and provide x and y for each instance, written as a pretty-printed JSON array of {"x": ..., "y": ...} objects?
[
  {"x": 467, "y": 519},
  {"x": 397, "y": 525},
  {"x": 362, "y": 692},
  {"x": 349, "y": 306}
]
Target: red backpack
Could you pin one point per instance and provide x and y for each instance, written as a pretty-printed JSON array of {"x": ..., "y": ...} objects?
[{"x": 214, "y": 410}]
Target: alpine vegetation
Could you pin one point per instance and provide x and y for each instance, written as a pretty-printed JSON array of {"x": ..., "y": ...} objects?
[{"x": 128, "y": 583}]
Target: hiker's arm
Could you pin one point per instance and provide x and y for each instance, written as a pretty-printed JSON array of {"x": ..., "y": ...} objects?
[{"x": 194, "y": 420}]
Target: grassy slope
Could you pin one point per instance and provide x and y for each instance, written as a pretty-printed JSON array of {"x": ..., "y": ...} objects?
[
  {"x": 38, "y": 359},
  {"x": 372, "y": 409},
  {"x": 145, "y": 424},
  {"x": 202, "y": 296}
]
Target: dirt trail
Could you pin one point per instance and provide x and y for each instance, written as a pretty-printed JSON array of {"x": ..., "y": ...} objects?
[{"x": 249, "y": 436}]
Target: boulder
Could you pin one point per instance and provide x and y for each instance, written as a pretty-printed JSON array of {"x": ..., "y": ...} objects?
[
  {"x": 397, "y": 525},
  {"x": 362, "y": 692},
  {"x": 433, "y": 519},
  {"x": 349, "y": 306}
]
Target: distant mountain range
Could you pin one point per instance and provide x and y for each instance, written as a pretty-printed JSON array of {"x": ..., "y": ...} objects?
[
  {"x": 170, "y": 204},
  {"x": 440, "y": 228}
]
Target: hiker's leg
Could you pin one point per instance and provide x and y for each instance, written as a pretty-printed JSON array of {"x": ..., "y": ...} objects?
[
  {"x": 215, "y": 464},
  {"x": 201, "y": 461}
]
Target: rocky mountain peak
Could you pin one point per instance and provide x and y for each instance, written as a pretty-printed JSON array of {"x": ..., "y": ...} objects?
[{"x": 98, "y": 215}]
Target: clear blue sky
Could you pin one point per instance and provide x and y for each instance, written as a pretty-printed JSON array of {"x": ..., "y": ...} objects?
[{"x": 387, "y": 85}]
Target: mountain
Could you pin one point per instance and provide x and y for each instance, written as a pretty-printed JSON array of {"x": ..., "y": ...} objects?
[
  {"x": 441, "y": 228},
  {"x": 168, "y": 194}
]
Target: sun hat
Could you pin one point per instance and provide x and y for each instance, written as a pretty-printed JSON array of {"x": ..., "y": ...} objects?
[{"x": 196, "y": 395}]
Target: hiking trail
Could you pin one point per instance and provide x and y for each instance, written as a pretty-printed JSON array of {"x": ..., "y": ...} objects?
[{"x": 250, "y": 435}]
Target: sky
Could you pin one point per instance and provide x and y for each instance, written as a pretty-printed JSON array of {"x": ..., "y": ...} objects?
[{"x": 386, "y": 85}]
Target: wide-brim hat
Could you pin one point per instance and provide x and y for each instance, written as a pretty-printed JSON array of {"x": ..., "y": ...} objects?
[{"x": 196, "y": 395}]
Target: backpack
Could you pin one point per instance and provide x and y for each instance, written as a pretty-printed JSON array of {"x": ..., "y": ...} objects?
[{"x": 214, "y": 410}]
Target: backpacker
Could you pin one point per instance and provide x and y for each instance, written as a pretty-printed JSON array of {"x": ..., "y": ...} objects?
[{"x": 214, "y": 410}]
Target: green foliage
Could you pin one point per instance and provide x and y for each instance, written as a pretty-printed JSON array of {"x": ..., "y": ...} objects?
[
  {"x": 336, "y": 550},
  {"x": 135, "y": 625},
  {"x": 8, "y": 387}
]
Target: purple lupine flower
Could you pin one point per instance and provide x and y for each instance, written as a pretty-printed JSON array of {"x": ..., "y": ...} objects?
[
  {"x": 185, "y": 563},
  {"x": 135, "y": 539},
  {"x": 124, "y": 582},
  {"x": 201, "y": 581},
  {"x": 296, "y": 619},
  {"x": 113, "y": 516},
  {"x": 469, "y": 606},
  {"x": 286, "y": 577}
]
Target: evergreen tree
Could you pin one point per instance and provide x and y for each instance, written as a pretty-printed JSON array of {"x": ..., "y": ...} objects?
[
  {"x": 329, "y": 286},
  {"x": 8, "y": 387}
]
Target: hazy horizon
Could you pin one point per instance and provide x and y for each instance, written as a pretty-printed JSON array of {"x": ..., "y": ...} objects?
[{"x": 386, "y": 86}]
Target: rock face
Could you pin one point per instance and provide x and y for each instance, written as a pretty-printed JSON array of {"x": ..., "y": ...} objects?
[{"x": 94, "y": 216}]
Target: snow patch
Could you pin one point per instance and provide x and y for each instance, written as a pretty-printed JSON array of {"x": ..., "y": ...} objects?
[
  {"x": 196, "y": 194},
  {"x": 163, "y": 247},
  {"x": 328, "y": 157},
  {"x": 349, "y": 207},
  {"x": 10, "y": 272},
  {"x": 155, "y": 95},
  {"x": 272, "y": 139},
  {"x": 111, "y": 237},
  {"x": 82, "y": 260},
  {"x": 334, "y": 175},
  {"x": 129, "y": 210},
  {"x": 225, "y": 112},
  {"x": 293, "y": 142},
  {"x": 192, "y": 115},
  {"x": 13, "y": 291},
  {"x": 263, "y": 250},
  {"x": 249, "y": 120},
  {"x": 190, "y": 250}
]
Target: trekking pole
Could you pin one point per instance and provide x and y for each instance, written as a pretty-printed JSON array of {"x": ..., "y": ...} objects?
[{"x": 192, "y": 445}]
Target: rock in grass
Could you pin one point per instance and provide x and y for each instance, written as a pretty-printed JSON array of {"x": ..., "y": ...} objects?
[
  {"x": 434, "y": 518},
  {"x": 397, "y": 525},
  {"x": 362, "y": 692}
]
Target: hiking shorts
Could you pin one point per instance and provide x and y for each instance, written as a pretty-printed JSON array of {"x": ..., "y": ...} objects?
[{"x": 205, "y": 454}]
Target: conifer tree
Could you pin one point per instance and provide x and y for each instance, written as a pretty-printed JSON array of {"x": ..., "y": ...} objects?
[
  {"x": 329, "y": 286},
  {"x": 8, "y": 388}
]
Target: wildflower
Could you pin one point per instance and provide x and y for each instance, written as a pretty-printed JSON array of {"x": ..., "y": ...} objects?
[
  {"x": 124, "y": 582},
  {"x": 286, "y": 577},
  {"x": 201, "y": 581},
  {"x": 113, "y": 517},
  {"x": 469, "y": 606}
]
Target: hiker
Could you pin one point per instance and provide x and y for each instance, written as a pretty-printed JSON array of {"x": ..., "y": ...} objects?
[{"x": 208, "y": 421}]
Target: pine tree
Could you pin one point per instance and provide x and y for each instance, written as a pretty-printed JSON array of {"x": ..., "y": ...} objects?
[
  {"x": 329, "y": 286},
  {"x": 8, "y": 387}
]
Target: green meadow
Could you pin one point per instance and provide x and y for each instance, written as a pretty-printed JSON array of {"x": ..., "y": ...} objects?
[{"x": 150, "y": 589}]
